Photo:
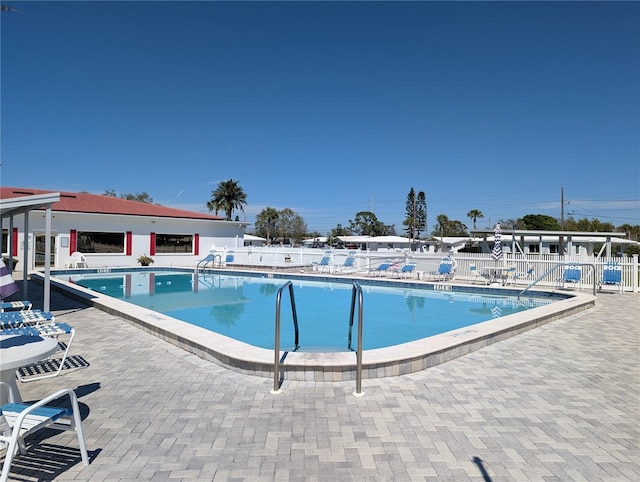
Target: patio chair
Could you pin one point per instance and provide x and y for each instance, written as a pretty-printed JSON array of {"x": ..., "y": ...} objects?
[
  {"x": 572, "y": 276},
  {"x": 611, "y": 276},
  {"x": 475, "y": 272},
  {"x": 509, "y": 275},
  {"x": 15, "y": 306},
  {"x": 78, "y": 260},
  {"x": 18, "y": 420},
  {"x": 444, "y": 270}
]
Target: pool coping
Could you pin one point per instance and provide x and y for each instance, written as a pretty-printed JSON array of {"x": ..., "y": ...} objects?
[{"x": 339, "y": 366}]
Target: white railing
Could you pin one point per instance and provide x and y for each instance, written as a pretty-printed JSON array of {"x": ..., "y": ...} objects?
[{"x": 429, "y": 262}]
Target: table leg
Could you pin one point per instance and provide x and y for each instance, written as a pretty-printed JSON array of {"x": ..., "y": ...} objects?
[{"x": 9, "y": 389}]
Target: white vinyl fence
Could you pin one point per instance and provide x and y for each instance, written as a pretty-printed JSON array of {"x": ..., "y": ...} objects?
[{"x": 304, "y": 259}]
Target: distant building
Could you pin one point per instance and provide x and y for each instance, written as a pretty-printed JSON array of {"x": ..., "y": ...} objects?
[
  {"x": 567, "y": 243},
  {"x": 111, "y": 231}
]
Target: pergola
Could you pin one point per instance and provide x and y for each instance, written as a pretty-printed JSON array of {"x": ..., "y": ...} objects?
[
  {"x": 12, "y": 207},
  {"x": 564, "y": 237}
]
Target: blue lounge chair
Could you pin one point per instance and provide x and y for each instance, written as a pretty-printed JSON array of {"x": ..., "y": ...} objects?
[
  {"x": 382, "y": 268},
  {"x": 15, "y": 306},
  {"x": 611, "y": 276},
  {"x": 572, "y": 276},
  {"x": 12, "y": 319},
  {"x": 406, "y": 270},
  {"x": 19, "y": 420},
  {"x": 348, "y": 265},
  {"x": 230, "y": 257},
  {"x": 37, "y": 323},
  {"x": 444, "y": 270},
  {"x": 323, "y": 265}
]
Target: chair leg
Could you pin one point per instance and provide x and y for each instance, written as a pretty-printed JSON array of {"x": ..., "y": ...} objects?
[{"x": 60, "y": 366}]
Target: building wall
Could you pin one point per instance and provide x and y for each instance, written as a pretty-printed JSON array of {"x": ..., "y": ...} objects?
[{"x": 213, "y": 235}]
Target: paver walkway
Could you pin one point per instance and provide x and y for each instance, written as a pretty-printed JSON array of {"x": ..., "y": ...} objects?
[{"x": 560, "y": 402}]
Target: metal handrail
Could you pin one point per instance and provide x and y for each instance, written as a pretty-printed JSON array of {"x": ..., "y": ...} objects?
[
  {"x": 357, "y": 291},
  {"x": 553, "y": 268},
  {"x": 276, "y": 345},
  {"x": 211, "y": 258}
]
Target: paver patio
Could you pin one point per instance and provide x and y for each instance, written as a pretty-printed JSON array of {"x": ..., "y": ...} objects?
[{"x": 560, "y": 402}]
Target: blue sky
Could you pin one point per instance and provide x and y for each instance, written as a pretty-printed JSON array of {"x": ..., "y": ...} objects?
[{"x": 330, "y": 108}]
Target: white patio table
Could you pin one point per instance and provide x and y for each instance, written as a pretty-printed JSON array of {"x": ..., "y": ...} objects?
[{"x": 17, "y": 351}]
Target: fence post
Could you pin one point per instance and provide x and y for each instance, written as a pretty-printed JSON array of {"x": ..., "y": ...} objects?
[{"x": 634, "y": 278}]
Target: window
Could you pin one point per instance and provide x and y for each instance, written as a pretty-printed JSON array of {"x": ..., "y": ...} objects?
[
  {"x": 174, "y": 243},
  {"x": 554, "y": 249},
  {"x": 99, "y": 242},
  {"x": 5, "y": 241},
  {"x": 534, "y": 249}
]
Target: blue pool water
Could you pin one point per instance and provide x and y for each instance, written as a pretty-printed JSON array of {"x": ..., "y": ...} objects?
[{"x": 243, "y": 307}]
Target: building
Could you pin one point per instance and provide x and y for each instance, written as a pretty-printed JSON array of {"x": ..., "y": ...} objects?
[
  {"x": 109, "y": 231},
  {"x": 567, "y": 243}
]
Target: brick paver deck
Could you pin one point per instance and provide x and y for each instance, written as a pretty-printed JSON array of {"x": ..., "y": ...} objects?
[{"x": 560, "y": 402}]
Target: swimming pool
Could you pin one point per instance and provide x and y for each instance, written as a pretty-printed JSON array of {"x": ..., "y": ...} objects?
[
  {"x": 331, "y": 361},
  {"x": 242, "y": 307}
]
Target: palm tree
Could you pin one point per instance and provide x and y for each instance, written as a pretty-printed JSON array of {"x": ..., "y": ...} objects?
[
  {"x": 227, "y": 197},
  {"x": 475, "y": 214}
]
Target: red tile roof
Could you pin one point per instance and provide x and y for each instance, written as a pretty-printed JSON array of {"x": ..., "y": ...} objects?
[{"x": 76, "y": 202}]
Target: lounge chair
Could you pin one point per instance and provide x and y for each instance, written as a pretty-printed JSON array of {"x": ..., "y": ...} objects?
[
  {"x": 17, "y": 420},
  {"x": 348, "y": 265},
  {"x": 12, "y": 319},
  {"x": 611, "y": 276},
  {"x": 382, "y": 268},
  {"x": 41, "y": 324},
  {"x": 230, "y": 257},
  {"x": 406, "y": 270},
  {"x": 572, "y": 276},
  {"x": 15, "y": 306},
  {"x": 33, "y": 372},
  {"x": 323, "y": 265},
  {"x": 444, "y": 270}
]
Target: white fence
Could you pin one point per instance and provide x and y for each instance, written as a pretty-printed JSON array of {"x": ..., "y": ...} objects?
[{"x": 429, "y": 262}]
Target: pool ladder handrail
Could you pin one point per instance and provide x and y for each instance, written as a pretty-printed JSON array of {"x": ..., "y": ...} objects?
[
  {"x": 276, "y": 345},
  {"x": 356, "y": 292},
  {"x": 553, "y": 268},
  {"x": 210, "y": 258}
]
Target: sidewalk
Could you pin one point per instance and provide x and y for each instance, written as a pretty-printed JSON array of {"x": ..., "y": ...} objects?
[{"x": 560, "y": 402}]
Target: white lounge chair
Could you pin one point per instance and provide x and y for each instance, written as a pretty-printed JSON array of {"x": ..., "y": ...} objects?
[{"x": 18, "y": 420}]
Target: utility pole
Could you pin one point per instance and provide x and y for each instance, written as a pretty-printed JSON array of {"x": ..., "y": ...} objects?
[
  {"x": 562, "y": 208},
  {"x": 562, "y": 221}
]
